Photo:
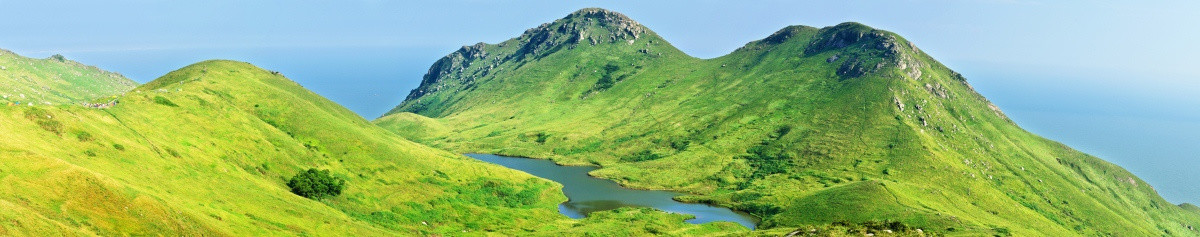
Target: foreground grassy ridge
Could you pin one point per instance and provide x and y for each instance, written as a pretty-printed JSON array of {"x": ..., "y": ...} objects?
[
  {"x": 55, "y": 80},
  {"x": 805, "y": 127},
  {"x": 207, "y": 150}
]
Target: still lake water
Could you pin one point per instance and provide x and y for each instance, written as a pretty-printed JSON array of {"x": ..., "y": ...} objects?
[{"x": 587, "y": 194}]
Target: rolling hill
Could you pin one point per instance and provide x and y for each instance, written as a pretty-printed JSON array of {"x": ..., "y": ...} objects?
[
  {"x": 55, "y": 80},
  {"x": 806, "y": 127},
  {"x": 207, "y": 150}
]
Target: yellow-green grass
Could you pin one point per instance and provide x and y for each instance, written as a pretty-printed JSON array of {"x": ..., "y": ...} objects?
[
  {"x": 807, "y": 127},
  {"x": 207, "y": 150},
  {"x": 55, "y": 81}
]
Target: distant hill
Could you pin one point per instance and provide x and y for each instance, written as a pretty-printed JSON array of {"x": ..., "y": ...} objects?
[
  {"x": 808, "y": 126},
  {"x": 55, "y": 80},
  {"x": 206, "y": 150},
  {"x": 1190, "y": 207}
]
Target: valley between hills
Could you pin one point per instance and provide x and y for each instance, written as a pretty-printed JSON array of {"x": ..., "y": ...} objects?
[{"x": 843, "y": 130}]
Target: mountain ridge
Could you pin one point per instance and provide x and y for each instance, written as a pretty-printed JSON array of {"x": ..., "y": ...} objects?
[
  {"x": 877, "y": 44},
  {"x": 797, "y": 119},
  {"x": 55, "y": 80}
]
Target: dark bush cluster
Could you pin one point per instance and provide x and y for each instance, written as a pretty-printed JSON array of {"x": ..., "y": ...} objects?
[
  {"x": 44, "y": 120},
  {"x": 607, "y": 80},
  {"x": 84, "y": 136},
  {"x": 314, "y": 184},
  {"x": 767, "y": 160},
  {"x": 680, "y": 143},
  {"x": 761, "y": 210},
  {"x": 494, "y": 192},
  {"x": 541, "y": 137},
  {"x": 164, "y": 101},
  {"x": 769, "y": 157},
  {"x": 644, "y": 155}
]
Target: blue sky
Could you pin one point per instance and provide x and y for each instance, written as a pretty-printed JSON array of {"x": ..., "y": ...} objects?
[{"x": 1117, "y": 79}]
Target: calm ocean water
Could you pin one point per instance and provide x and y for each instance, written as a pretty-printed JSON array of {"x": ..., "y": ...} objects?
[{"x": 1148, "y": 128}]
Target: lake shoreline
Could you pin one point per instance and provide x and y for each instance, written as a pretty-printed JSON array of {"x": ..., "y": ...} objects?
[{"x": 586, "y": 195}]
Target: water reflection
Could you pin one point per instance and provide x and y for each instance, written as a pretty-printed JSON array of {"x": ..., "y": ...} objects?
[{"x": 587, "y": 194}]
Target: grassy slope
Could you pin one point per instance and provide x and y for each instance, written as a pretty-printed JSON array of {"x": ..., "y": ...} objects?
[
  {"x": 55, "y": 80},
  {"x": 206, "y": 150},
  {"x": 779, "y": 129}
]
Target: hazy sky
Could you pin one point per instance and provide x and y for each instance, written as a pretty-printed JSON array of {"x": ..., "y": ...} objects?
[{"x": 1117, "y": 79}]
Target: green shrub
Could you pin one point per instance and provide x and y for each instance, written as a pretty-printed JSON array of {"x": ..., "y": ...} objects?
[
  {"x": 680, "y": 143},
  {"x": 541, "y": 137},
  {"x": 644, "y": 155},
  {"x": 761, "y": 210},
  {"x": 84, "y": 136},
  {"x": 767, "y": 160},
  {"x": 173, "y": 153},
  {"x": 314, "y": 184},
  {"x": 35, "y": 113},
  {"x": 50, "y": 125},
  {"x": 498, "y": 193},
  {"x": 164, "y": 101},
  {"x": 781, "y": 131},
  {"x": 44, "y": 120},
  {"x": 606, "y": 81}
]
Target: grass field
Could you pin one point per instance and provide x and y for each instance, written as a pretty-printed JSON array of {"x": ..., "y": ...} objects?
[{"x": 207, "y": 150}]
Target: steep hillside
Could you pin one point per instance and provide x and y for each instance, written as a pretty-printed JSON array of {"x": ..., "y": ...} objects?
[
  {"x": 207, "y": 150},
  {"x": 55, "y": 80},
  {"x": 808, "y": 126},
  {"x": 1190, "y": 207}
]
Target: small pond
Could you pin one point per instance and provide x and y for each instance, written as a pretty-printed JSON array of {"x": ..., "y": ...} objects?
[{"x": 588, "y": 194}]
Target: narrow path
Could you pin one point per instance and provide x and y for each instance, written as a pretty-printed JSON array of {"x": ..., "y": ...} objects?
[{"x": 152, "y": 146}]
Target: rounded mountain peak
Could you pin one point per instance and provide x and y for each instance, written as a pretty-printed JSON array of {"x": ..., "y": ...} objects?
[
  {"x": 591, "y": 25},
  {"x": 602, "y": 15}
]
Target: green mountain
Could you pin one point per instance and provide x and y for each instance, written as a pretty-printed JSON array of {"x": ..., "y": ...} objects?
[
  {"x": 55, "y": 80},
  {"x": 208, "y": 150},
  {"x": 806, "y": 127}
]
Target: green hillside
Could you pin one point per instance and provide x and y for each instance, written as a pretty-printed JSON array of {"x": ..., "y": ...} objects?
[
  {"x": 207, "y": 151},
  {"x": 1190, "y": 207},
  {"x": 54, "y": 81},
  {"x": 808, "y": 126}
]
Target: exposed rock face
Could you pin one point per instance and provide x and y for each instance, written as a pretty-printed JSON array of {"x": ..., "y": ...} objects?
[
  {"x": 996, "y": 109},
  {"x": 618, "y": 24},
  {"x": 911, "y": 66},
  {"x": 937, "y": 90},
  {"x": 848, "y": 34},
  {"x": 450, "y": 64},
  {"x": 872, "y": 49},
  {"x": 473, "y": 52},
  {"x": 588, "y": 26},
  {"x": 853, "y": 67},
  {"x": 591, "y": 25}
]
